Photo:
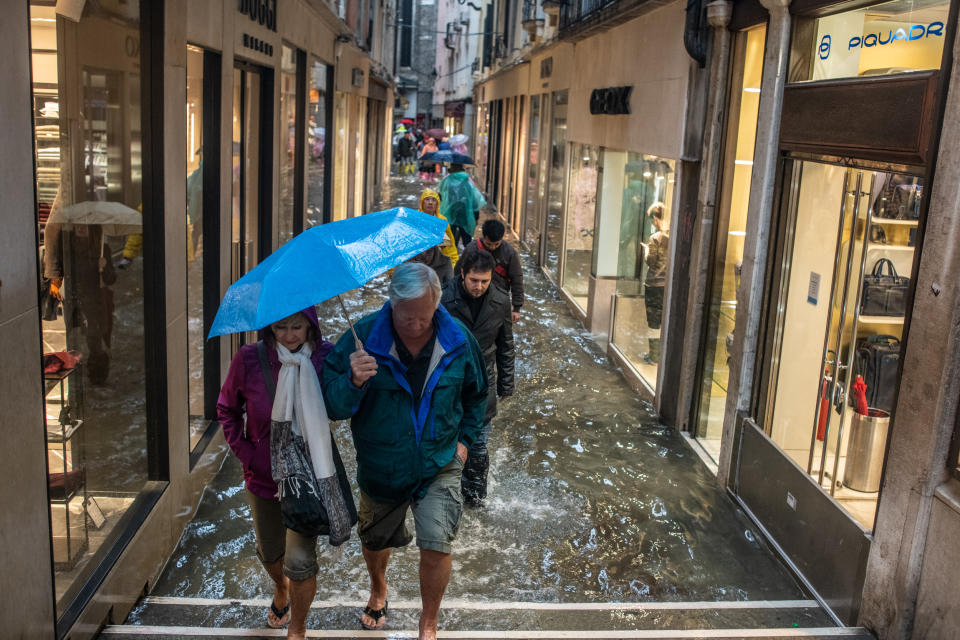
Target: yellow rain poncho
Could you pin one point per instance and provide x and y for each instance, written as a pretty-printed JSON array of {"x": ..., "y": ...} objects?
[{"x": 449, "y": 243}]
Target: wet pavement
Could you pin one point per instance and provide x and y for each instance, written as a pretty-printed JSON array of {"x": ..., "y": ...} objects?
[{"x": 598, "y": 517}]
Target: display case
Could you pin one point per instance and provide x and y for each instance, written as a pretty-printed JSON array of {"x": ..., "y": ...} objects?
[{"x": 65, "y": 464}]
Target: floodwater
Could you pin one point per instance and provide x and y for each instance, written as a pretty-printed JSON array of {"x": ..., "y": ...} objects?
[{"x": 591, "y": 499}]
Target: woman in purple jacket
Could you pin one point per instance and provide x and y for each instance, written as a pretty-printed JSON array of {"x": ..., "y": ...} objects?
[{"x": 285, "y": 554}]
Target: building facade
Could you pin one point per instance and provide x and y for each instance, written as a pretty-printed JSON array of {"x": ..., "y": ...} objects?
[
  {"x": 415, "y": 68},
  {"x": 155, "y": 152},
  {"x": 749, "y": 221}
]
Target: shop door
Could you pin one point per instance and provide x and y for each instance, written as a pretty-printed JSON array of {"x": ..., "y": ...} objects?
[
  {"x": 250, "y": 222},
  {"x": 831, "y": 320}
]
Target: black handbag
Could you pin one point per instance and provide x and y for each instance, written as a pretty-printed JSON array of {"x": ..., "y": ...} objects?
[
  {"x": 877, "y": 359},
  {"x": 884, "y": 294}
]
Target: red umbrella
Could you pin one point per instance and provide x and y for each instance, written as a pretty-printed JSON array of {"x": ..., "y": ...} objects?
[
  {"x": 406, "y": 121},
  {"x": 860, "y": 394}
]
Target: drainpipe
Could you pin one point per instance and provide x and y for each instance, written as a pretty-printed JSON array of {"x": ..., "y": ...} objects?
[
  {"x": 759, "y": 215},
  {"x": 718, "y": 16}
]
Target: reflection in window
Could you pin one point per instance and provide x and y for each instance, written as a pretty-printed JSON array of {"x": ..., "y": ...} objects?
[
  {"x": 637, "y": 197},
  {"x": 316, "y": 143},
  {"x": 893, "y": 37},
  {"x": 288, "y": 130},
  {"x": 86, "y": 102},
  {"x": 581, "y": 206},
  {"x": 341, "y": 123},
  {"x": 731, "y": 233},
  {"x": 195, "y": 328},
  {"x": 558, "y": 167},
  {"x": 531, "y": 212}
]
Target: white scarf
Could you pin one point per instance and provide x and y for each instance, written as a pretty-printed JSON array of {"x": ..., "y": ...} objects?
[{"x": 299, "y": 400}]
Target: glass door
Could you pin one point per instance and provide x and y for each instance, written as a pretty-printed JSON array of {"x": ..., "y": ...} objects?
[
  {"x": 246, "y": 207},
  {"x": 847, "y": 256},
  {"x": 553, "y": 235}
]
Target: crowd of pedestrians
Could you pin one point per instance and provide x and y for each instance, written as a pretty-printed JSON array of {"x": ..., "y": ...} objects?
[{"x": 419, "y": 380}]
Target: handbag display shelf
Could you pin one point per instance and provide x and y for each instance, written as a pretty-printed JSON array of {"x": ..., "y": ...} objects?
[{"x": 67, "y": 478}]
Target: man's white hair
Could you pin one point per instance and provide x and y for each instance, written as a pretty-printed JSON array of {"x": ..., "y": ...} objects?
[{"x": 413, "y": 280}]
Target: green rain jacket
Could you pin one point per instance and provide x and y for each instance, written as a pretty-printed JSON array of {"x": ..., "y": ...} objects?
[
  {"x": 401, "y": 448},
  {"x": 460, "y": 200}
]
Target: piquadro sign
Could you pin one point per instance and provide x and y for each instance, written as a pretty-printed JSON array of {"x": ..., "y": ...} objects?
[
  {"x": 612, "y": 101},
  {"x": 880, "y": 38}
]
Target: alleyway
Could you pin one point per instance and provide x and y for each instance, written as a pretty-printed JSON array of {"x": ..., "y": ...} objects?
[{"x": 599, "y": 519}]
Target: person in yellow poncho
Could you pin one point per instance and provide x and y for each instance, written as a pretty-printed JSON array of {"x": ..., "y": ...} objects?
[{"x": 430, "y": 203}]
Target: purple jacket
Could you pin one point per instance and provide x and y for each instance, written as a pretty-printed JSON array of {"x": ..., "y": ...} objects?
[{"x": 244, "y": 391}]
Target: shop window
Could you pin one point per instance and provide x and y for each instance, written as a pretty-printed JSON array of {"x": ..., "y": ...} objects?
[
  {"x": 290, "y": 111},
  {"x": 555, "y": 185},
  {"x": 731, "y": 232},
  {"x": 531, "y": 208},
  {"x": 482, "y": 143},
  {"x": 846, "y": 263},
  {"x": 340, "y": 182},
  {"x": 318, "y": 152},
  {"x": 91, "y": 216},
  {"x": 891, "y": 37},
  {"x": 358, "y": 115},
  {"x": 636, "y": 210},
  {"x": 580, "y": 227}
]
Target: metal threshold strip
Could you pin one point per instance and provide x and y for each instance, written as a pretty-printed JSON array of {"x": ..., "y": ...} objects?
[
  {"x": 475, "y": 605},
  {"x": 832, "y": 632}
]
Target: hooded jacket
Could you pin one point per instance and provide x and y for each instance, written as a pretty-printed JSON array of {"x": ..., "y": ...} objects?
[
  {"x": 401, "y": 447},
  {"x": 493, "y": 329},
  {"x": 244, "y": 408},
  {"x": 460, "y": 200},
  {"x": 449, "y": 246}
]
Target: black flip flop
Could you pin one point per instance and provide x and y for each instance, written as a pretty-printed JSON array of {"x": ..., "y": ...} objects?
[
  {"x": 279, "y": 613},
  {"x": 377, "y": 615}
]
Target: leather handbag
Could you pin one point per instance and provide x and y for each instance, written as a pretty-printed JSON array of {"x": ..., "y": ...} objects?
[
  {"x": 877, "y": 359},
  {"x": 884, "y": 294}
]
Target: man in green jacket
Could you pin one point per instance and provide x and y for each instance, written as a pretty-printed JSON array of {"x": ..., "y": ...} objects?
[{"x": 416, "y": 396}]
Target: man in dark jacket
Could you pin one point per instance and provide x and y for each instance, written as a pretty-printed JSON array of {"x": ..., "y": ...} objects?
[
  {"x": 485, "y": 310},
  {"x": 416, "y": 395},
  {"x": 507, "y": 272}
]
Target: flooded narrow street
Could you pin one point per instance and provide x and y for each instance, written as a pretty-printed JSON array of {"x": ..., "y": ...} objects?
[{"x": 591, "y": 500}]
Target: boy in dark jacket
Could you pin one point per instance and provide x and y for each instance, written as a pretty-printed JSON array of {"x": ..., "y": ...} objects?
[
  {"x": 485, "y": 310},
  {"x": 507, "y": 272}
]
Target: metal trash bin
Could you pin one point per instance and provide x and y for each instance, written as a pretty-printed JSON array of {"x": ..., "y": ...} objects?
[{"x": 865, "y": 449}]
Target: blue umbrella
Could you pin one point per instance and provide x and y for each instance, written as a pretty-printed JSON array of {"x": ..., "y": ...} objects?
[
  {"x": 323, "y": 262},
  {"x": 450, "y": 157}
]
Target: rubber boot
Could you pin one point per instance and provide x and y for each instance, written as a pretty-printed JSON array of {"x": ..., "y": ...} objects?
[
  {"x": 473, "y": 484},
  {"x": 653, "y": 355}
]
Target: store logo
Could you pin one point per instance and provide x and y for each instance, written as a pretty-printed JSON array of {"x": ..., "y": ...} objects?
[
  {"x": 263, "y": 12},
  {"x": 824, "y": 48},
  {"x": 912, "y": 34},
  {"x": 613, "y": 101},
  {"x": 916, "y": 32}
]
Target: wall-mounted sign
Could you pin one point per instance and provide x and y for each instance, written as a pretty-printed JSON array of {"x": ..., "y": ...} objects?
[
  {"x": 612, "y": 101},
  {"x": 357, "y": 77},
  {"x": 882, "y": 37},
  {"x": 263, "y": 12}
]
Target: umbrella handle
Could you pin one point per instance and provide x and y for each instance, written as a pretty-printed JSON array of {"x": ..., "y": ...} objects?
[{"x": 356, "y": 338}]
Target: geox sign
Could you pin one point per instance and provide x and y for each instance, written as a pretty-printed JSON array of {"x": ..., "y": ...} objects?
[{"x": 613, "y": 101}]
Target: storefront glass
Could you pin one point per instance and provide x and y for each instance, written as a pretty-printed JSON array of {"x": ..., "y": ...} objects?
[
  {"x": 341, "y": 123},
  {"x": 289, "y": 112},
  {"x": 195, "y": 328},
  {"x": 481, "y": 146},
  {"x": 317, "y": 151},
  {"x": 846, "y": 266},
  {"x": 87, "y": 116},
  {"x": 580, "y": 227},
  {"x": 555, "y": 185},
  {"x": 531, "y": 211},
  {"x": 636, "y": 202},
  {"x": 887, "y": 38},
  {"x": 731, "y": 231},
  {"x": 359, "y": 115}
]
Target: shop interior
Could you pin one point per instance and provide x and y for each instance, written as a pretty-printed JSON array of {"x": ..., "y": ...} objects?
[
  {"x": 841, "y": 316},
  {"x": 580, "y": 225}
]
